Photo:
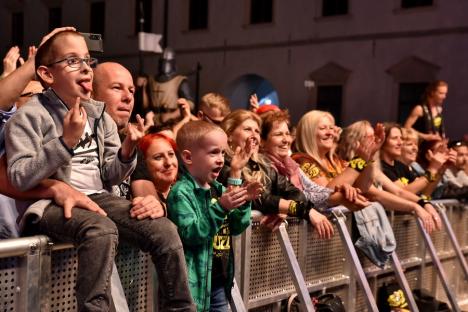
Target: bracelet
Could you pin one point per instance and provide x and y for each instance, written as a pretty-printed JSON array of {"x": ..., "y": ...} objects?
[
  {"x": 234, "y": 181},
  {"x": 425, "y": 197},
  {"x": 431, "y": 177},
  {"x": 423, "y": 202},
  {"x": 358, "y": 164}
]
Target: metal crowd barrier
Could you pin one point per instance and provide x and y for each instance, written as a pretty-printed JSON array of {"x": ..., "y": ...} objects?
[
  {"x": 36, "y": 275},
  {"x": 327, "y": 266}
]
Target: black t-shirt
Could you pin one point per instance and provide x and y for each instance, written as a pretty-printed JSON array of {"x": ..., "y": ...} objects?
[
  {"x": 398, "y": 172},
  {"x": 221, "y": 250}
]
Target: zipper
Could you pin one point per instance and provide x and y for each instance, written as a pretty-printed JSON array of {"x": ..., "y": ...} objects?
[{"x": 96, "y": 122}]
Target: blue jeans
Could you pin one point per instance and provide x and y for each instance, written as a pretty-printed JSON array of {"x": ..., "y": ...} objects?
[
  {"x": 96, "y": 238},
  {"x": 218, "y": 300}
]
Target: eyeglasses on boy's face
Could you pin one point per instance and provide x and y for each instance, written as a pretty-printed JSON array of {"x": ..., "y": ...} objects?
[{"x": 76, "y": 62}]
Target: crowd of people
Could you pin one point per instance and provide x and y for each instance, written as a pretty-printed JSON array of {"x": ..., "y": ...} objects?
[{"x": 75, "y": 168}]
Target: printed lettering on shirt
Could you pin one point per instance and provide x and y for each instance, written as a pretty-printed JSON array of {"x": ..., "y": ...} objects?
[
  {"x": 311, "y": 170},
  {"x": 221, "y": 241}
]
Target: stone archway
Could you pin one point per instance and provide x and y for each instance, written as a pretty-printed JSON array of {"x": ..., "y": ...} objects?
[{"x": 241, "y": 88}]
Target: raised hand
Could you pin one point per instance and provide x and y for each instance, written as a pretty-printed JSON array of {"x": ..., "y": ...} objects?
[
  {"x": 337, "y": 133},
  {"x": 10, "y": 60},
  {"x": 134, "y": 135},
  {"x": 233, "y": 198},
  {"x": 254, "y": 189},
  {"x": 74, "y": 123},
  {"x": 253, "y": 101},
  {"x": 379, "y": 135},
  {"x": 242, "y": 155},
  {"x": 436, "y": 160},
  {"x": 53, "y": 32},
  {"x": 184, "y": 106},
  {"x": 149, "y": 120}
]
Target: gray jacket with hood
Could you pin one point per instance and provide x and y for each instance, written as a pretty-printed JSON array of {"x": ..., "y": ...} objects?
[{"x": 35, "y": 150}]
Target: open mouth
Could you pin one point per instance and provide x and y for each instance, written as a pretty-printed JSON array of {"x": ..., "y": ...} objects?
[{"x": 215, "y": 172}]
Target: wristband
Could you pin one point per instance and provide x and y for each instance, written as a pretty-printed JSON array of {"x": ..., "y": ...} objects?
[
  {"x": 292, "y": 209},
  {"x": 299, "y": 209},
  {"x": 358, "y": 164},
  {"x": 235, "y": 182}
]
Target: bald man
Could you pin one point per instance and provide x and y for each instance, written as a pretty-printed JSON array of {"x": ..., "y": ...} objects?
[{"x": 113, "y": 85}]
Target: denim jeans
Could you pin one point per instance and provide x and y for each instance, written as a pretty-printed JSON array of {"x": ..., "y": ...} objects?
[
  {"x": 96, "y": 238},
  {"x": 218, "y": 300}
]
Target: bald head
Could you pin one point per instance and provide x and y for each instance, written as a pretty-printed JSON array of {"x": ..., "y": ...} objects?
[{"x": 113, "y": 84}]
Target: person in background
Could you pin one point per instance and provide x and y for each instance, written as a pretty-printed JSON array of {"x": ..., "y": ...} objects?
[
  {"x": 213, "y": 108},
  {"x": 456, "y": 175},
  {"x": 426, "y": 117}
]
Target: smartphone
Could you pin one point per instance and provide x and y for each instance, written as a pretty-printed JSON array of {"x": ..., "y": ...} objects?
[{"x": 94, "y": 42}]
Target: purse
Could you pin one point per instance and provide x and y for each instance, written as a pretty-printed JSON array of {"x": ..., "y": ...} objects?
[
  {"x": 324, "y": 303},
  {"x": 329, "y": 303}
]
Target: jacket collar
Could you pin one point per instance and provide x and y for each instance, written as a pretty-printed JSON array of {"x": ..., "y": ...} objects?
[
  {"x": 186, "y": 176},
  {"x": 94, "y": 109}
]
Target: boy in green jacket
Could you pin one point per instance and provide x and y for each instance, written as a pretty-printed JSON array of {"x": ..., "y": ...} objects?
[{"x": 207, "y": 214}]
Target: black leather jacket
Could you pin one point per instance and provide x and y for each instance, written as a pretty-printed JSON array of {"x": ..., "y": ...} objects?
[{"x": 277, "y": 187}]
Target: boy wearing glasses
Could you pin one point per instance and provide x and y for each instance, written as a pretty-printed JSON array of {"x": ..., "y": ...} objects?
[{"x": 65, "y": 135}]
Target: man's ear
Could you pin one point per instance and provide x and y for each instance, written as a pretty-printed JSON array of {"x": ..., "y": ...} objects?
[
  {"x": 186, "y": 157},
  {"x": 45, "y": 75}
]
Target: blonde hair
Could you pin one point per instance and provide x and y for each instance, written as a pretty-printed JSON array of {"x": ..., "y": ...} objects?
[
  {"x": 306, "y": 136},
  {"x": 350, "y": 138},
  {"x": 409, "y": 134},
  {"x": 229, "y": 125},
  {"x": 217, "y": 101},
  {"x": 192, "y": 133}
]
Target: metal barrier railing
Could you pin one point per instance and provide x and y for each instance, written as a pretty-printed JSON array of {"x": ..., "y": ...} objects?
[{"x": 36, "y": 275}]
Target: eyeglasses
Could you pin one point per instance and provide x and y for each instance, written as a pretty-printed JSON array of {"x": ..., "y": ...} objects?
[
  {"x": 211, "y": 120},
  {"x": 76, "y": 62}
]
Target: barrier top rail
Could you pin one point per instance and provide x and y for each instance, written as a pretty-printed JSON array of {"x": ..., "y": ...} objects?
[{"x": 17, "y": 247}]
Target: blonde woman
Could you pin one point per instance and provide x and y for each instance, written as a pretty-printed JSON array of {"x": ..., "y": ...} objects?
[{"x": 316, "y": 137}]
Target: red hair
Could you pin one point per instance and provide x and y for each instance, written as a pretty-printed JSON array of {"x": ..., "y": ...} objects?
[{"x": 146, "y": 141}]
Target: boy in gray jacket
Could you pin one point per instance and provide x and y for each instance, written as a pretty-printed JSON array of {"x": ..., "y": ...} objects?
[{"x": 63, "y": 134}]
